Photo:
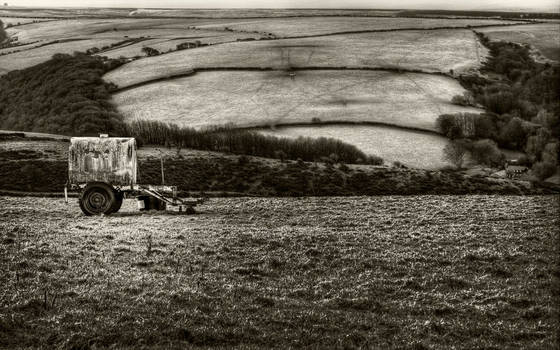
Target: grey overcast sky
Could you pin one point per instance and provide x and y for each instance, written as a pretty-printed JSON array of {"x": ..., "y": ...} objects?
[{"x": 535, "y": 5}]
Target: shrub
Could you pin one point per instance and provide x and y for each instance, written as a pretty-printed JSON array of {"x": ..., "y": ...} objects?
[
  {"x": 373, "y": 160},
  {"x": 467, "y": 99},
  {"x": 543, "y": 170},
  {"x": 280, "y": 155},
  {"x": 445, "y": 122},
  {"x": 455, "y": 152},
  {"x": 550, "y": 153},
  {"x": 485, "y": 126},
  {"x": 513, "y": 134},
  {"x": 536, "y": 143},
  {"x": 149, "y": 51},
  {"x": 486, "y": 152}
]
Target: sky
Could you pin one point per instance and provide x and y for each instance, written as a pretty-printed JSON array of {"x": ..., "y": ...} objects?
[{"x": 535, "y": 5}]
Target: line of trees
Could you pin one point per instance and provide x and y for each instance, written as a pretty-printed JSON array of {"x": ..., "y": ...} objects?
[{"x": 231, "y": 140}]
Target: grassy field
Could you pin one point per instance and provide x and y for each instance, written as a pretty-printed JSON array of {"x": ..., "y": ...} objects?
[
  {"x": 60, "y": 12},
  {"x": 270, "y": 98},
  {"x": 415, "y": 149},
  {"x": 85, "y": 28},
  {"x": 433, "y": 51},
  {"x": 429, "y": 272},
  {"x": 170, "y": 42},
  {"x": 28, "y": 57},
  {"x": 544, "y": 37},
  {"x": 265, "y": 13},
  {"x": 20, "y": 20},
  {"x": 287, "y": 27},
  {"x": 74, "y": 12}
]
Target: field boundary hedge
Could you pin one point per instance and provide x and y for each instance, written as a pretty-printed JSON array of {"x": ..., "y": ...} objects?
[{"x": 194, "y": 71}]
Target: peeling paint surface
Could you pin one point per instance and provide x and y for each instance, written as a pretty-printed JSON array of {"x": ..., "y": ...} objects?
[{"x": 111, "y": 160}]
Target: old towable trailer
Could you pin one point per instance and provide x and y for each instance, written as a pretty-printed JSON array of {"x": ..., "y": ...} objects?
[{"x": 104, "y": 170}]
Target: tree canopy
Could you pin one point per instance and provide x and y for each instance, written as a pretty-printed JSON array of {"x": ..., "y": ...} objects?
[{"x": 65, "y": 95}]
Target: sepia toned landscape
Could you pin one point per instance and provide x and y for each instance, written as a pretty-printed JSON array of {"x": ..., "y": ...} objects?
[
  {"x": 336, "y": 178},
  {"x": 390, "y": 272}
]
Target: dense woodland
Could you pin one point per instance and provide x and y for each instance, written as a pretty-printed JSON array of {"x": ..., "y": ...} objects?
[
  {"x": 522, "y": 99},
  {"x": 65, "y": 95}
]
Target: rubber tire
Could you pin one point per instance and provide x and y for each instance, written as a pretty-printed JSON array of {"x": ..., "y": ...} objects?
[
  {"x": 99, "y": 191},
  {"x": 146, "y": 200},
  {"x": 190, "y": 211},
  {"x": 119, "y": 196}
]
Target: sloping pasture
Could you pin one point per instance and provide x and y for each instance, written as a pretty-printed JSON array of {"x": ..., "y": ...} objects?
[
  {"x": 412, "y": 148},
  {"x": 12, "y": 21},
  {"x": 544, "y": 37},
  {"x": 35, "y": 55},
  {"x": 72, "y": 28},
  {"x": 432, "y": 51},
  {"x": 410, "y": 272},
  {"x": 253, "y": 98}
]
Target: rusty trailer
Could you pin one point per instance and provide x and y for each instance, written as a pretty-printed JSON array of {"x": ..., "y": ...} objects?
[{"x": 104, "y": 170}]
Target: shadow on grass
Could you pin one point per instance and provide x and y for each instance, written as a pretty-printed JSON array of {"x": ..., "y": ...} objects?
[{"x": 153, "y": 213}]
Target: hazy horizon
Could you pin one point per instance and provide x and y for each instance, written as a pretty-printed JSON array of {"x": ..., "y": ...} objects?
[{"x": 495, "y": 5}]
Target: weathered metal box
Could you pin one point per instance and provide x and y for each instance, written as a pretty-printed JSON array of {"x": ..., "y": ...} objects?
[{"x": 102, "y": 159}]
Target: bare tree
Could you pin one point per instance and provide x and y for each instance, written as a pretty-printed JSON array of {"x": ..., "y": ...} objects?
[
  {"x": 454, "y": 152},
  {"x": 3, "y": 34}
]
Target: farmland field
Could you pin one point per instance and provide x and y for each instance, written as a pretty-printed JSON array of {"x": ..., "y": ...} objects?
[
  {"x": 102, "y": 28},
  {"x": 381, "y": 272},
  {"x": 288, "y": 27},
  {"x": 74, "y": 12},
  {"x": 251, "y": 98},
  {"x": 20, "y": 20},
  {"x": 544, "y": 37},
  {"x": 264, "y": 13},
  {"x": 28, "y": 57},
  {"x": 170, "y": 42},
  {"x": 432, "y": 51},
  {"x": 411, "y": 148}
]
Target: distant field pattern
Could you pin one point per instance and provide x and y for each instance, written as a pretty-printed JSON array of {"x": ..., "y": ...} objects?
[
  {"x": 287, "y": 27},
  {"x": 251, "y": 98},
  {"x": 431, "y": 51},
  {"x": 544, "y": 37},
  {"x": 30, "y": 57},
  {"x": 166, "y": 43},
  {"x": 14, "y": 21}
]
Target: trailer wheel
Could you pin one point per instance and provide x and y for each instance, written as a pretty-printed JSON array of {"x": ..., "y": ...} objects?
[
  {"x": 97, "y": 199},
  {"x": 190, "y": 210},
  {"x": 119, "y": 196}
]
